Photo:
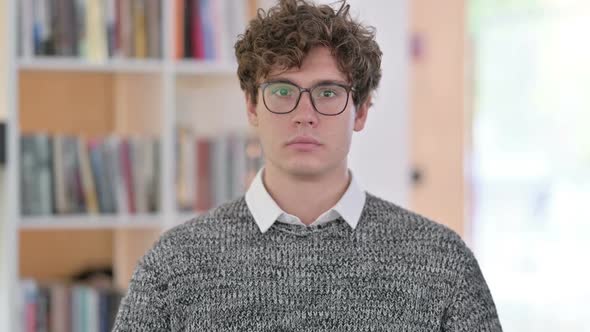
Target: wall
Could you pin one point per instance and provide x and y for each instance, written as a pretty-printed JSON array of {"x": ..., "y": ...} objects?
[
  {"x": 3, "y": 62},
  {"x": 4, "y": 271},
  {"x": 440, "y": 125},
  {"x": 380, "y": 153}
]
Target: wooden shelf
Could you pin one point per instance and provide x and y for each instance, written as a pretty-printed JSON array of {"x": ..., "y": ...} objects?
[
  {"x": 204, "y": 67},
  {"x": 92, "y": 222},
  {"x": 120, "y": 65},
  {"x": 48, "y": 63}
]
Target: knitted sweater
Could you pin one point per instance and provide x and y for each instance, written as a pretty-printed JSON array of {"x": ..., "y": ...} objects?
[{"x": 397, "y": 271}]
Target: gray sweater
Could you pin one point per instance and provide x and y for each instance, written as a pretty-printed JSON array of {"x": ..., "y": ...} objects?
[{"x": 397, "y": 271}]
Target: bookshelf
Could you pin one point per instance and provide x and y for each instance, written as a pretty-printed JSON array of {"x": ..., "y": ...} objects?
[
  {"x": 94, "y": 92},
  {"x": 173, "y": 91},
  {"x": 78, "y": 65}
]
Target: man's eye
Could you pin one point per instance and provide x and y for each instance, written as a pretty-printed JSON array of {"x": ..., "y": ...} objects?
[
  {"x": 328, "y": 93},
  {"x": 282, "y": 92}
]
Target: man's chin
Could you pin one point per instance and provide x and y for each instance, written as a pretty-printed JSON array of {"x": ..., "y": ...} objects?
[{"x": 302, "y": 170}]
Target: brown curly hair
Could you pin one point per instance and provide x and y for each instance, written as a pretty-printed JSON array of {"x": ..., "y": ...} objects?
[{"x": 282, "y": 36}]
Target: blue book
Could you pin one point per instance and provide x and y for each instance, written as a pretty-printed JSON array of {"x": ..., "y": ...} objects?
[{"x": 206, "y": 15}]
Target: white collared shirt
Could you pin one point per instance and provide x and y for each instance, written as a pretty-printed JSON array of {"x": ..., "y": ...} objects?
[{"x": 266, "y": 211}]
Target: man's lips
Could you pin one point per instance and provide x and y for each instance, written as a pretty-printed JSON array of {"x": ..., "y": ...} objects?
[{"x": 303, "y": 140}]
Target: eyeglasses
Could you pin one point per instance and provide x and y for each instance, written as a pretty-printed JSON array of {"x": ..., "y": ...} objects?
[{"x": 327, "y": 98}]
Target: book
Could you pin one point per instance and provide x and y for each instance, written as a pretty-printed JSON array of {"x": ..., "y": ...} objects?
[
  {"x": 179, "y": 28},
  {"x": 44, "y": 172},
  {"x": 198, "y": 46},
  {"x": 110, "y": 26},
  {"x": 80, "y": 26},
  {"x": 94, "y": 30},
  {"x": 156, "y": 197},
  {"x": 96, "y": 38},
  {"x": 139, "y": 28},
  {"x": 62, "y": 174},
  {"x": 125, "y": 15},
  {"x": 111, "y": 173},
  {"x": 138, "y": 151},
  {"x": 60, "y": 306},
  {"x": 101, "y": 178},
  {"x": 203, "y": 200},
  {"x": 207, "y": 19},
  {"x": 185, "y": 165},
  {"x": 208, "y": 29},
  {"x": 153, "y": 9},
  {"x": 29, "y": 293},
  {"x": 87, "y": 177},
  {"x": 59, "y": 189},
  {"x": 219, "y": 168},
  {"x": 64, "y": 28},
  {"x": 29, "y": 200},
  {"x": 189, "y": 6},
  {"x": 127, "y": 172}
]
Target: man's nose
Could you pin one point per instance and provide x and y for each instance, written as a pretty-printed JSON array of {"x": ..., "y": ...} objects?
[{"x": 305, "y": 111}]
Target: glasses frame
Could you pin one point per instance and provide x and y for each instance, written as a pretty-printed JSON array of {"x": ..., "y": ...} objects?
[{"x": 348, "y": 89}]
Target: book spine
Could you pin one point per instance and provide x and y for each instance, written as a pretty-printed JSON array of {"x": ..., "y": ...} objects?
[
  {"x": 27, "y": 15},
  {"x": 203, "y": 196},
  {"x": 27, "y": 163},
  {"x": 110, "y": 26},
  {"x": 96, "y": 35},
  {"x": 188, "y": 29},
  {"x": 58, "y": 176},
  {"x": 179, "y": 17},
  {"x": 97, "y": 167},
  {"x": 80, "y": 24},
  {"x": 118, "y": 177},
  {"x": 199, "y": 30},
  {"x": 109, "y": 176},
  {"x": 127, "y": 168},
  {"x": 43, "y": 147},
  {"x": 153, "y": 28},
  {"x": 139, "y": 25},
  {"x": 138, "y": 174},
  {"x": 206, "y": 15},
  {"x": 88, "y": 180}
]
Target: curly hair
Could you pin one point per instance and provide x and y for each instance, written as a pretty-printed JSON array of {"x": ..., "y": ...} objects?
[{"x": 282, "y": 36}]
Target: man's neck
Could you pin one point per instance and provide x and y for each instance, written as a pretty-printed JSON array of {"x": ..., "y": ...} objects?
[{"x": 306, "y": 197}]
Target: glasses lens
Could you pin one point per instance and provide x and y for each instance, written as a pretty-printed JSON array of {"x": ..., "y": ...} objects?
[
  {"x": 280, "y": 97},
  {"x": 329, "y": 99}
]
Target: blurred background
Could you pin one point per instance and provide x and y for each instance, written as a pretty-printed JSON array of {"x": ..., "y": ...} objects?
[{"x": 121, "y": 119}]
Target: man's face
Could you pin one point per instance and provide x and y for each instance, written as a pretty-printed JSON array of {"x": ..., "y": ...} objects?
[{"x": 333, "y": 134}]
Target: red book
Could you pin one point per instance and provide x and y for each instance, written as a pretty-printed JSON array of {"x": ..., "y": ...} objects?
[
  {"x": 127, "y": 171},
  {"x": 198, "y": 44},
  {"x": 179, "y": 27},
  {"x": 31, "y": 317},
  {"x": 203, "y": 178}
]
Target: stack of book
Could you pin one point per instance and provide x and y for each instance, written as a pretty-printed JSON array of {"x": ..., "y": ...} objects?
[
  {"x": 91, "y": 29},
  {"x": 60, "y": 307},
  {"x": 213, "y": 170},
  {"x": 63, "y": 174},
  {"x": 208, "y": 29}
]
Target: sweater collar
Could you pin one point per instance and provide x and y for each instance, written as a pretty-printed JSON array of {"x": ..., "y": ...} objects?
[{"x": 266, "y": 211}]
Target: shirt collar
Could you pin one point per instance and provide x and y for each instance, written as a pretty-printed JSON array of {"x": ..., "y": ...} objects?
[{"x": 266, "y": 211}]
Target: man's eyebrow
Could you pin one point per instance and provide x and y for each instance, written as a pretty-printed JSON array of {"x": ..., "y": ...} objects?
[{"x": 313, "y": 83}]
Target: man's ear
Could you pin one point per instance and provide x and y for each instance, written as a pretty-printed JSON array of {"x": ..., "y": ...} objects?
[
  {"x": 360, "y": 116},
  {"x": 251, "y": 110}
]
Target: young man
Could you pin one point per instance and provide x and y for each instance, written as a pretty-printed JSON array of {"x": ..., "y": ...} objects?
[{"x": 306, "y": 249}]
